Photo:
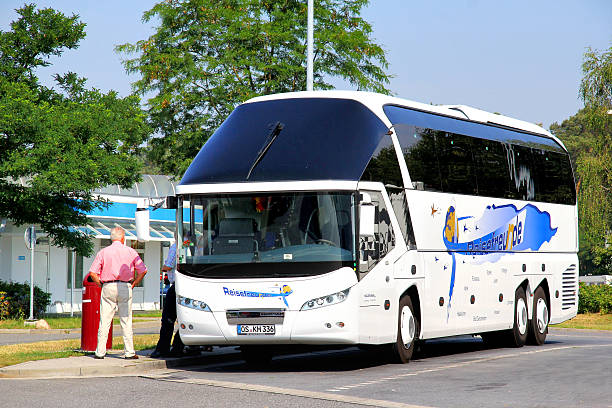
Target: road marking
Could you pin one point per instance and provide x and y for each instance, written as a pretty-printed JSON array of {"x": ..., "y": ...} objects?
[
  {"x": 286, "y": 391},
  {"x": 457, "y": 365}
]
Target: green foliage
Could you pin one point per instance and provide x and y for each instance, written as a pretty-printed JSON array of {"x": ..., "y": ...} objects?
[
  {"x": 208, "y": 56},
  {"x": 575, "y": 134},
  {"x": 4, "y": 306},
  {"x": 588, "y": 137},
  {"x": 18, "y": 298},
  {"x": 63, "y": 143},
  {"x": 595, "y": 299}
]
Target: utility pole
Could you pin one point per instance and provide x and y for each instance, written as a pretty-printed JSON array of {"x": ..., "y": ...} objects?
[{"x": 309, "y": 58}]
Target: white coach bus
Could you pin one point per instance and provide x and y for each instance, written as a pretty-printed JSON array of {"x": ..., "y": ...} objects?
[{"x": 352, "y": 218}]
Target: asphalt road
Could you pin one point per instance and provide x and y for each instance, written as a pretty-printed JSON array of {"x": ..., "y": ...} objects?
[{"x": 573, "y": 369}]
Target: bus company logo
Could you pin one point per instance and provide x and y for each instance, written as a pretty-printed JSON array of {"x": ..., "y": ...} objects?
[
  {"x": 282, "y": 293},
  {"x": 499, "y": 231}
]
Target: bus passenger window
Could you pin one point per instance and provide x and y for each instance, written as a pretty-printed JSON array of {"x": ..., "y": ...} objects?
[
  {"x": 456, "y": 163},
  {"x": 419, "y": 149},
  {"x": 402, "y": 213},
  {"x": 373, "y": 249},
  {"x": 384, "y": 166}
]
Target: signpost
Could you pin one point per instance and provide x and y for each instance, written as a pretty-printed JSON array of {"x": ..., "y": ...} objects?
[{"x": 30, "y": 241}]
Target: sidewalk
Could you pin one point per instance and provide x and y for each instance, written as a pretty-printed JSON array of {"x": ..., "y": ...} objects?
[{"x": 112, "y": 365}]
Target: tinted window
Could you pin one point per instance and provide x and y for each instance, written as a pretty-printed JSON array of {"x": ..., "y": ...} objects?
[
  {"x": 373, "y": 249},
  {"x": 402, "y": 213},
  {"x": 398, "y": 115},
  {"x": 421, "y": 156},
  {"x": 522, "y": 171},
  {"x": 555, "y": 181},
  {"x": 489, "y": 162},
  {"x": 456, "y": 163},
  {"x": 303, "y": 139},
  {"x": 384, "y": 166}
]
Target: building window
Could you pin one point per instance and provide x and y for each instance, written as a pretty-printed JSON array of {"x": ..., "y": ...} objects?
[
  {"x": 78, "y": 273},
  {"x": 140, "y": 248}
]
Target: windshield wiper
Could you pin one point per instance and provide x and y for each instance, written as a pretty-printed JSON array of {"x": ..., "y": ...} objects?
[{"x": 266, "y": 146}]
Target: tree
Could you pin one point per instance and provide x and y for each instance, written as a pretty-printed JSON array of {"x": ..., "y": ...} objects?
[
  {"x": 207, "y": 56},
  {"x": 62, "y": 143},
  {"x": 588, "y": 135}
]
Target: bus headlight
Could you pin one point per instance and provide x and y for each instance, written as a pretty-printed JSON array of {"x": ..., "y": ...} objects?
[
  {"x": 328, "y": 300},
  {"x": 192, "y": 303}
]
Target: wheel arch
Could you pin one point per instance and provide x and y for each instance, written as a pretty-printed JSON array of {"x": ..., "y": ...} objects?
[{"x": 544, "y": 285}]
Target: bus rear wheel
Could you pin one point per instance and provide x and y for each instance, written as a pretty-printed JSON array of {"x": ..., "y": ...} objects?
[
  {"x": 538, "y": 325},
  {"x": 407, "y": 332}
]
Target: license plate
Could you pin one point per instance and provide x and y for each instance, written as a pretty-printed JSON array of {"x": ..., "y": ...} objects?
[{"x": 256, "y": 329}]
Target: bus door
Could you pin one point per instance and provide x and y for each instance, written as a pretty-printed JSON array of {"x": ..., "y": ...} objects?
[{"x": 379, "y": 249}]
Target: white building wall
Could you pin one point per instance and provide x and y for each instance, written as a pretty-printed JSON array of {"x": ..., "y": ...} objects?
[
  {"x": 20, "y": 260},
  {"x": 15, "y": 267},
  {"x": 151, "y": 280},
  {"x": 5, "y": 257},
  {"x": 58, "y": 273}
]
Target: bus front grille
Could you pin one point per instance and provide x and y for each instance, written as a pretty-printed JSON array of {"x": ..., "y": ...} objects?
[
  {"x": 569, "y": 287},
  {"x": 255, "y": 316}
]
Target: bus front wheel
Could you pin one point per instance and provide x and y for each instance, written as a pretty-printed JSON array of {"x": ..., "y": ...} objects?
[
  {"x": 518, "y": 333},
  {"x": 407, "y": 332}
]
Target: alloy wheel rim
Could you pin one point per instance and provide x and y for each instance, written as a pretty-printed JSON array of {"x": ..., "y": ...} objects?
[
  {"x": 542, "y": 315},
  {"x": 408, "y": 327},
  {"x": 521, "y": 316}
]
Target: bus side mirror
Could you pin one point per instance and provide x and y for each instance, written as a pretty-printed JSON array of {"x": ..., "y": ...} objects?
[
  {"x": 142, "y": 221},
  {"x": 366, "y": 216},
  {"x": 171, "y": 202}
]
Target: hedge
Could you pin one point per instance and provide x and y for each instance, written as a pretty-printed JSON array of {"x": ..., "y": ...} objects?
[
  {"x": 16, "y": 300},
  {"x": 595, "y": 299}
]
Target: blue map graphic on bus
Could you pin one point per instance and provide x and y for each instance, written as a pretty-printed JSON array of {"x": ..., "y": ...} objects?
[
  {"x": 499, "y": 231},
  {"x": 283, "y": 292}
]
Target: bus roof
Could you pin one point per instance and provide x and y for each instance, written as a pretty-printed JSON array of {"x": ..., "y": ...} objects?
[{"x": 376, "y": 101}]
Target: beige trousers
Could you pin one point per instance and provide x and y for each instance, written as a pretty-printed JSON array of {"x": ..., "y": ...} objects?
[{"x": 116, "y": 295}]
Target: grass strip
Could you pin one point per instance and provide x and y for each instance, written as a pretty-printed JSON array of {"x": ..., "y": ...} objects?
[
  {"x": 593, "y": 321},
  {"x": 68, "y": 322},
  {"x": 43, "y": 350}
]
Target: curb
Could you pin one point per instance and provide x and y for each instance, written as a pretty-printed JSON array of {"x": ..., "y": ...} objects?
[{"x": 122, "y": 367}]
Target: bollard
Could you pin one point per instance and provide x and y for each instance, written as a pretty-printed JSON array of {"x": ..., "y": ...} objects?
[{"x": 90, "y": 317}]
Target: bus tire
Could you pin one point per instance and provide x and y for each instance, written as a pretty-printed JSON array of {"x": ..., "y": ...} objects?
[
  {"x": 256, "y": 356},
  {"x": 518, "y": 333},
  {"x": 538, "y": 325},
  {"x": 408, "y": 328}
]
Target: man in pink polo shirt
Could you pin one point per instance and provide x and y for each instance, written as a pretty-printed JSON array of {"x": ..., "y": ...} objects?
[{"x": 113, "y": 270}]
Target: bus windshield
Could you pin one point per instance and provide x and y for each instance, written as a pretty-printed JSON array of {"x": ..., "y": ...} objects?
[{"x": 257, "y": 235}]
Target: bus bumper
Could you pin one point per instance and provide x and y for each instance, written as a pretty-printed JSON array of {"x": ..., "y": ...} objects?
[{"x": 335, "y": 324}]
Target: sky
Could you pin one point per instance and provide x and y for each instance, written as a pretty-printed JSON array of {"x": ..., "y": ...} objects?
[{"x": 520, "y": 58}]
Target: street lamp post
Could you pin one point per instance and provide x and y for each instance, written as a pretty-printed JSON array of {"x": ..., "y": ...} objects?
[{"x": 310, "y": 40}]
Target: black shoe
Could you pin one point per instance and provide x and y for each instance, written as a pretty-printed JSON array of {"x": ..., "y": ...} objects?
[
  {"x": 97, "y": 357},
  {"x": 134, "y": 357}
]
